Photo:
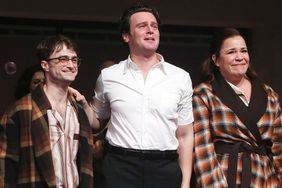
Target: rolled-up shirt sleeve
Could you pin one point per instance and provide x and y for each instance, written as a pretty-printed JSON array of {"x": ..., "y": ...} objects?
[{"x": 185, "y": 109}]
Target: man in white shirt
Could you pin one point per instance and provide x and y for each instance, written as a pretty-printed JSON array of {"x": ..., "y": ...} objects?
[{"x": 149, "y": 141}]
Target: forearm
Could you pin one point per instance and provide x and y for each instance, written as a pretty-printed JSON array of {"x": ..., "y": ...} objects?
[
  {"x": 89, "y": 109},
  {"x": 185, "y": 150},
  {"x": 91, "y": 115}
]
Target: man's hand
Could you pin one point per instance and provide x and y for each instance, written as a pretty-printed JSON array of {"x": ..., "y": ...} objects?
[
  {"x": 78, "y": 96},
  {"x": 91, "y": 114}
]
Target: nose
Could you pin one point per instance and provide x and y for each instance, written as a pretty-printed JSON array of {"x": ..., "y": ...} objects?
[
  {"x": 149, "y": 29},
  {"x": 239, "y": 56}
]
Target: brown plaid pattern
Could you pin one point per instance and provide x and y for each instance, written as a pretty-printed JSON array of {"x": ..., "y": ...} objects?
[
  {"x": 25, "y": 153},
  {"x": 214, "y": 122}
]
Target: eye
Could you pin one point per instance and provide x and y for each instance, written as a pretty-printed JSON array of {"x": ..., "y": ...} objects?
[
  {"x": 155, "y": 26},
  {"x": 75, "y": 59},
  {"x": 37, "y": 81},
  {"x": 142, "y": 25},
  {"x": 231, "y": 52},
  {"x": 63, "y": 58},
  {"x": 244, "y": 50}
]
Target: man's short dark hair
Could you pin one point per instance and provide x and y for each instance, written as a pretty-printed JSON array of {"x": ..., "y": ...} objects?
[
  {"x": 54, "y": 43},
  {"x": 125, "y": 18}
]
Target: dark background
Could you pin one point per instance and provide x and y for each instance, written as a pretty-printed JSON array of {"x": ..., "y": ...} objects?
[{"x": 186, "y": 32}]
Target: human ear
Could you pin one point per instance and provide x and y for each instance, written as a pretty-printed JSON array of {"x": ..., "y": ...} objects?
[
  {"x": 125, "y": 37},
  {"x": 45, "y": 65},
  {"x": 214, "y": 60}
]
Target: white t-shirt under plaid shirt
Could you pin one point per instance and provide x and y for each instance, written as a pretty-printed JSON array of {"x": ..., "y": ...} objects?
[{"x": 64, "y": 146}]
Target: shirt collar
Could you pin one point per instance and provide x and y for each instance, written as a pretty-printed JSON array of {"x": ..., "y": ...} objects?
[
  {"x": 235, "y": 88},
  {"x": 131, "y": 65},
  {"x": 239, "y": 92}
]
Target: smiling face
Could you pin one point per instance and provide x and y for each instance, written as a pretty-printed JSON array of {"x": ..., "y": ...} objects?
[
  {"x": 144, "y": 34},
  {"x": 57, "y": 72},
  {"x": 233, "y": 60}
]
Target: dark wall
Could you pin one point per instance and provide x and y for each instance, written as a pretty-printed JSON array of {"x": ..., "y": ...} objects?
[{"x": 183, "y": 46}]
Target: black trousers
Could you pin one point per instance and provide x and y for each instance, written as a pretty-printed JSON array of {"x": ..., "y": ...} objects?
[{"x": 126, "y": 171}]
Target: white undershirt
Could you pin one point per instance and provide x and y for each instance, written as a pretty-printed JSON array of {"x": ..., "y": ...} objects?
[{"x": 240, "y": 93}]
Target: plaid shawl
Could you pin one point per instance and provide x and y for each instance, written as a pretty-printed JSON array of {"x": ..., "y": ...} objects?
[
  {"x": 216, "y": 122},
  {"x": 25, "y": 153}
]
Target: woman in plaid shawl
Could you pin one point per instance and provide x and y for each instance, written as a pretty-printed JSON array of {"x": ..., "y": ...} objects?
[{"x": 237, "y": 127}]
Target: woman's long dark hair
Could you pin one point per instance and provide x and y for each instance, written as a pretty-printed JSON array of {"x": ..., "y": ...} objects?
[
  {"x": 23, "y": 84},
  {"x": 208, "y": 69}
]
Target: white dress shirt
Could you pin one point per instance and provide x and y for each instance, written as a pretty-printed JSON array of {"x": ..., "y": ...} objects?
[{"x": 144, "y": 114}]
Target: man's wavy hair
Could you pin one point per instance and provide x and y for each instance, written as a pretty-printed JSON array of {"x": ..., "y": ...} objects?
[
  {"x": 124, "y": 26},
  {"x": 54, "y": 43}
]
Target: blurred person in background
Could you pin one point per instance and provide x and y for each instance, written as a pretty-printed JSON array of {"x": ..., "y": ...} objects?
[{"x": 29, "y": 80}]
